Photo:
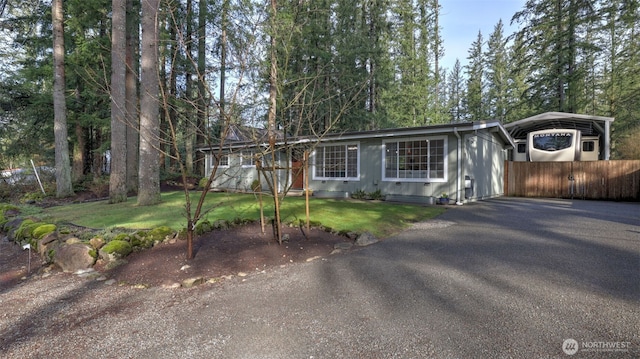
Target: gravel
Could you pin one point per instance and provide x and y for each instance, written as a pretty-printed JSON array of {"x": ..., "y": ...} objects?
[{"x": 504, "y": 278}]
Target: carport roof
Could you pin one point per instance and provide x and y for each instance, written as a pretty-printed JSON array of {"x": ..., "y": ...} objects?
[{"x": 587, "y": 124}]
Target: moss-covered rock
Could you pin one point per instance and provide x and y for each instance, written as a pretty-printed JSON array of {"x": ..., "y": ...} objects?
[
  {"x": 22, "y": 231},
  {"x": 159, "y": 234},
  {"x": 117, "y": 248},
  {"x": 43, "y": 230},
  {"x": 122, "y": 237},
  {"x": 97, "y": 242}
]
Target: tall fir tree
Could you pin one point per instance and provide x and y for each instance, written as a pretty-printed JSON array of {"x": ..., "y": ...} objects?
[{"x": 475, "y": 107}]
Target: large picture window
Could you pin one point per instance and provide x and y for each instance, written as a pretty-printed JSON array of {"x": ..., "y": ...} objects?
[
  {"x": 337, "y": 162},
  {"x": 415, "y": 160}
]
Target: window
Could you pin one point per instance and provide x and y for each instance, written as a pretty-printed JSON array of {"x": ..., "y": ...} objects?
[
  {"x": 337, "y": 162},
  {"x": 224, "y": 160},
  {"x": 414, "y": 160},
  {"x": 552, "y": 141},
  {"x": 248, "y": 158},
  {"x": 588, "y": 146},
  {"x": 522, "y": 147}
]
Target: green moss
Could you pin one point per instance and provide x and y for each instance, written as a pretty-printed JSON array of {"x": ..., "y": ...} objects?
[
  {"x": 49, "y": 256},
  {"x": 8, "y": 207},
  {"x": 119, "y": 247},
  {"x": 93, "y": 253},
  {"x": 122, "y": 237},
  {"x": 43, "y": 230},
  {"x": 24, "y": 230},
  {"x": 203, "y": 227},
  {"x": 159, "y": 233}
]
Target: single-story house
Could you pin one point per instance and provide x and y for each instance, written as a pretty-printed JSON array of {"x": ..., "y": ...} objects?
[{"x": 418, "y": 164}]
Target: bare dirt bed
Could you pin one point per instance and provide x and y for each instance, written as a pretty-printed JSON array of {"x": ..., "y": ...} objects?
[{"x": 238, "y": 251}]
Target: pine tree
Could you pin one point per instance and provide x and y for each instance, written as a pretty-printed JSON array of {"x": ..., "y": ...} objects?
[
  {"x": 496, "y": 74},
  {"x": 475, "y": 107}
]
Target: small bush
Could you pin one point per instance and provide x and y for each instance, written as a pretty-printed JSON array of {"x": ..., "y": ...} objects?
[
  {"x": 359, "y": 194},
  {"x": 255, "y": 186},
  {"x": 203, "y": 182},
  {"x": 376, "y": 195},
  {"x": 203, "y": 227}
]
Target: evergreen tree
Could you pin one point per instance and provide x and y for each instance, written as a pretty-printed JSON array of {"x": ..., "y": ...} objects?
[
  {"x": 475, "y": 108},
  {"x": 496, "y": 74},
  {"x": 456, "y": 94}
]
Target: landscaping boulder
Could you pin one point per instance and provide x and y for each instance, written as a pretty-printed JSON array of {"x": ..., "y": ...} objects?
[
  {"x": 11, "y": 227},
  {"x": 45, "y": 243},
  {"x": 114, "y": 250},
  {"x": 366, "y": 239},
  {"x": 73, "y": 257},
  {"x": 97, "y": 242}
]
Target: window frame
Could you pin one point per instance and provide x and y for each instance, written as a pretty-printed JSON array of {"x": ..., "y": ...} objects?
[
  {"x": 244, "y": 154},
  {"x": 323, "y": 147},
  {"x": 226, "y": 156},
  {"x": 428, "y": 170}
]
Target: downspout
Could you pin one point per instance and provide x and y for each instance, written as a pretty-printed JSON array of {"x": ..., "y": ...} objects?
[{"x": 459, "y": 164}]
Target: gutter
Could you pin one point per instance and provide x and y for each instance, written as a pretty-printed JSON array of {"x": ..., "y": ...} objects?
[{"x": 459, "y": 163}]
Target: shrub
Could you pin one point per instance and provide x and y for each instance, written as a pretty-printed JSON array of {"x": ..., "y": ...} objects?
[
  {"x": 359, "y": 194},
  {"x": 203, "y": 227},
  {"x": 255, "y": 186},
  {"x": 203, "y": 182},
  {"x": 376, "y": 195}
]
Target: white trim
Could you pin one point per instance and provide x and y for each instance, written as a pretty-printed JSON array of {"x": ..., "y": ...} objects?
[
  {"x": 252, "y": 154},
  {"x": 346, "y": 145},
  {"x": 422, "y": 179},
  {"x": 212, "y": 160}
]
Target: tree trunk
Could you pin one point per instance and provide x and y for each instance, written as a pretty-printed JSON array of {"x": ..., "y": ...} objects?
[
  {"x": 131, "y": 90},
  {"x": 187, "y": 124},
  {"x": 202, "y": 94},
  {"x": 118, "y": 175},
  {"x": 64, "y": 186},
  {"x": 273, "y": 81},
  {"x": 149, "y": 166}
]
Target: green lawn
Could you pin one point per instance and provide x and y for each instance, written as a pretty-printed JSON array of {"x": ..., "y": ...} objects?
[{"x": 379, "y": 218}]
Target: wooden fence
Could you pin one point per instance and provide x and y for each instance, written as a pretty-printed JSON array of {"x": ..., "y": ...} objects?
[{"x": 604, "y": 180}]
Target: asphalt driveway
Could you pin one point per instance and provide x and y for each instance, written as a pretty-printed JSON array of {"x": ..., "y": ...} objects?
[
  {"x": 499, "y": 278},
  {"x": 503, "y": 278}
]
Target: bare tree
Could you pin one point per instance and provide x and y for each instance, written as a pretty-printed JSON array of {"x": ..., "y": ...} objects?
[{"x": 64, "y": 186}]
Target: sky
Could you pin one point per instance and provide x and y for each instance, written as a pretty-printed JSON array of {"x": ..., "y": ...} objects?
[{"x": 460, "y": 21}]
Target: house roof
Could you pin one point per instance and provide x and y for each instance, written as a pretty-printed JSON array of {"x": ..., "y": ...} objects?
[
  {"x": 496, "y": 126},
  {"x": 587, "y": 124}
]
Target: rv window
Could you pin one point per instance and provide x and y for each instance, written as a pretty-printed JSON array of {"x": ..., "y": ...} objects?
[
  {"x": 588, "y": 146},
  {"x": 552, "y": 141}
]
